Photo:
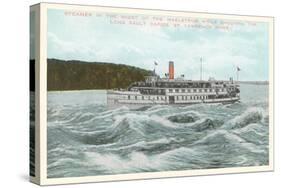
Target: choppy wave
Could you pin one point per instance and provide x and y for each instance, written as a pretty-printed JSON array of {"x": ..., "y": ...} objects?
[{"x": 92, "y": 140}]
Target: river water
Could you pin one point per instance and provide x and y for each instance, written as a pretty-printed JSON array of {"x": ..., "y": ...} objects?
[{"x": 85, "y": 138}]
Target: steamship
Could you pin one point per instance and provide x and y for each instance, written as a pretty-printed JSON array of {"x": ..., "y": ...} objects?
[{"x": 174, "y": 91}]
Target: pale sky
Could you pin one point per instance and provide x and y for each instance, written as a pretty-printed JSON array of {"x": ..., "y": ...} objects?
[{"x": 95, "y": 39}]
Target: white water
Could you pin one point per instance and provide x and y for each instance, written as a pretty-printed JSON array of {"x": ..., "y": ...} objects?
[{"x": 85, "y": 138}]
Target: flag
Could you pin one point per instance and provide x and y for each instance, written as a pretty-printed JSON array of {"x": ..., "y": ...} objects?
[
  {"x": 155, "y": 63},
  {"x": 238, "y": 69}
]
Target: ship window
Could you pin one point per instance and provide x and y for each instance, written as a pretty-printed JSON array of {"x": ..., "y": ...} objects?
[
  {"x": 183, "y": 90},
  {"x": 188, "y": 90},
  {"x": 142, "y": 97},
  {"x": 195, "y": 90},
  {"x": 200, "y": 90},
  {"x": 135, "y": 97},
  {"x": 170, "y": 90},
  {"x": 177, "y": 90},
  {"x": 206, "y": 90}
]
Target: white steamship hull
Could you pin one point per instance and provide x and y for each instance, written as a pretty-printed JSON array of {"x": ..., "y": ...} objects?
[{"x": 117, "y": 98}]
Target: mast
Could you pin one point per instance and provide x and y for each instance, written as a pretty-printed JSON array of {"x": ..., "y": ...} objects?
[
  {"x": 237, "y": 72},
  {"x": 201, "y": 68}
]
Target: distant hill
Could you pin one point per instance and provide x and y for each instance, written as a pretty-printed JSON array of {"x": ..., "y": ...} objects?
[{"x": 79, "y": 75}]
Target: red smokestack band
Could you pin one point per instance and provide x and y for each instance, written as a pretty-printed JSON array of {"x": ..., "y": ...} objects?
[{"x": 171, "y": 70}]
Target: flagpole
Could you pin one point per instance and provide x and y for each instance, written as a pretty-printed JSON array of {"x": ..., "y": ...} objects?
[
  {"x": 155, "y": 64},
  {"x": 201, "y": 68},
  {"x": 237, "y": 73}
]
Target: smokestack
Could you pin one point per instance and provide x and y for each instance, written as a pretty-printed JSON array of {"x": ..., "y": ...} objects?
[{"x": 171, "y": 70}]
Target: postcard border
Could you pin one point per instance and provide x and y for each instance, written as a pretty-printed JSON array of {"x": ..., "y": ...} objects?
[{"x": 151, "y": 175}]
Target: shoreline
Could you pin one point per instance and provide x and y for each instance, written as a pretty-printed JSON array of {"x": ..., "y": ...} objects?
[{"x": 88, "y": 90}]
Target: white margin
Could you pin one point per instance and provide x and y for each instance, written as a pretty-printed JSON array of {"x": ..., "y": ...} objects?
[{"x": 136, "y": 176}]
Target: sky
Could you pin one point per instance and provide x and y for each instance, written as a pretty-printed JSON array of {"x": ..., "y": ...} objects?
[{"x": 92, "y": 38}]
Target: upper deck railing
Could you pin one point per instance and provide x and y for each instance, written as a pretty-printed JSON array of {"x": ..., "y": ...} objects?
[{"x": 161, "y": 83}]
